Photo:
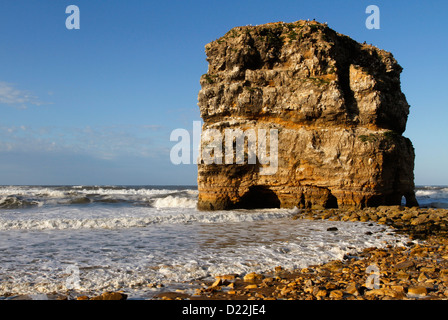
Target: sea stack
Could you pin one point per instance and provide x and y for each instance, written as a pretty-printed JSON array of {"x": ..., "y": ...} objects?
[{"x": 327, "y": 109}]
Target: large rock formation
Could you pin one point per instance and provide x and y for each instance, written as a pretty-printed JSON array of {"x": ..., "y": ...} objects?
[{"x": 336, "y": 105}]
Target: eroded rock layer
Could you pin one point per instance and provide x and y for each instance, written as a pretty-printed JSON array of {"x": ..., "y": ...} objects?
[{"x": 335, "y": 104}]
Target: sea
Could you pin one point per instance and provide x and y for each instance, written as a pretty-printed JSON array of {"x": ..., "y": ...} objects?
[{"x": 144, "y": 240}]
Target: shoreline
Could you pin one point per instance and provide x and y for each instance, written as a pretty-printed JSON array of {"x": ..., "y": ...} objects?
[{"x": 417, "y": 271}]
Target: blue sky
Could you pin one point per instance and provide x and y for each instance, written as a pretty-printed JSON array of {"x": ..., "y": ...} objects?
[{"x": 97, "y": 105}]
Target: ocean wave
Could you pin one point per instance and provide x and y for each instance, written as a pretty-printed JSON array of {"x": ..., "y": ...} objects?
[
  {"x": 169, "y": 217},
  {"x": 31, "y": 192},
  {"x": 63, "y": 192},
  {"x": 174, "y": 202},
  {"x": 83, "y": 195},
  {"x": 432, "y": 192},
  {"x": 16, "y": 203}
]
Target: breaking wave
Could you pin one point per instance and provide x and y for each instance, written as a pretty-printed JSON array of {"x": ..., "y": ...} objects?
[
  {"x": 138, "y": 219},
  {"x": 432, "y": 196},
  {"x": 16, "y": 197},
  {"x": 11, "y": 202},
  {"x": 174, "y": 202},
  {"x": 432, "y": 192}
]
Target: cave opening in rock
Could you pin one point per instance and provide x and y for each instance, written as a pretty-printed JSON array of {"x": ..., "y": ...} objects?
[
  {"x": 332, "y": 202},
  {"x": 259, "y": 197},
  {"x": 411, "y": 200}
]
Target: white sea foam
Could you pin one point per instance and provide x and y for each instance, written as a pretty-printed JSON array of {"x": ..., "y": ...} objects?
[
  {"x": 32, "y": 191},
  {"x": 61, "y": 192},
  {"x": 130, "y": 218},
  {"x": 129, "y": 259},
  {"x": 175, "y": 202}
]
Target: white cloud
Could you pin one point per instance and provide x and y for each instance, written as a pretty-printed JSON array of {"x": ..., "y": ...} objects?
[
  {"x": 101, "y": 142},
  {"x": 17, "y": 98}
]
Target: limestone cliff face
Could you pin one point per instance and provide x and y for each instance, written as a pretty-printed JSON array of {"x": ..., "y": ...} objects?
[{"x": 336, "y": 105}]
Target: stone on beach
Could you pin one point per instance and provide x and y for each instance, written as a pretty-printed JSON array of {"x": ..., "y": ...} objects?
[
  {"x": 105, "y": 296},
  {"x": 417, "y": 291},
  {"x": 253, "y": 277}
]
